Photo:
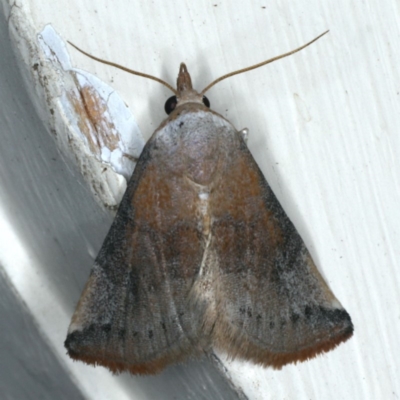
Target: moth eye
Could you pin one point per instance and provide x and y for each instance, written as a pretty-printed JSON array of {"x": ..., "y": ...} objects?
[
  {"x": 170, "y": 104},
  {"x": 206, "y": 102}
]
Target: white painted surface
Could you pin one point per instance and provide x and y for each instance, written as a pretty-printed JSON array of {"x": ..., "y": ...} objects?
[
  {"x": 323, "y": 126},
  {"x": 117, "y": 126}
]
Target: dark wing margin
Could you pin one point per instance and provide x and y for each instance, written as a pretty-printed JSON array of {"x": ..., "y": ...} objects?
[
  {"x": 133, "y": 312},
  {"x": 274, "y": 307}
]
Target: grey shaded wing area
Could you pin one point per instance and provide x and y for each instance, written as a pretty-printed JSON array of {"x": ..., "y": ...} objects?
[
  {"x": 133, "y": 314},
  {"x": 273, "y": 305}
]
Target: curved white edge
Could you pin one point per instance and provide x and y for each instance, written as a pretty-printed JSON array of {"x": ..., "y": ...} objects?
[{"x": 88, "y": 119}]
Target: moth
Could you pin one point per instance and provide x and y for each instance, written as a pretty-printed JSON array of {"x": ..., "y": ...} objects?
[{"x": 201, "y": 256}]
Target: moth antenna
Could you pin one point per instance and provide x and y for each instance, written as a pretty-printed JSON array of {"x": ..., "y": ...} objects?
[
  {"x": 131, "y": 71},
  {"x": 260, "y": 64}
]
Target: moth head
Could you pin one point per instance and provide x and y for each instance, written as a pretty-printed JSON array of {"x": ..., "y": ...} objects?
[{"x": 184, "y": 92}]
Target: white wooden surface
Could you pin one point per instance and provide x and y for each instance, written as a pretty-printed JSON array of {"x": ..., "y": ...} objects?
[{"x": 323, "y": 128}]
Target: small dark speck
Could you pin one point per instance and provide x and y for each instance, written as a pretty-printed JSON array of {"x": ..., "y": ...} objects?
[
  {"x": 151, "y": 334},
  {"x": 181, "y": 124},
  {"x": 271, "y": 325},
  {"x": 35, "y": 66},
  {"x": 264, "y": 7},
  {"x": 294, "y": 317},
  {"x": 249, "y": 313},
  {"x": 121, "y": 333}
]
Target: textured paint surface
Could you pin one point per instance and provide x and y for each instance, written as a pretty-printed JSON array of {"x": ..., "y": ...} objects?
[{"x": 103, "y": 137}]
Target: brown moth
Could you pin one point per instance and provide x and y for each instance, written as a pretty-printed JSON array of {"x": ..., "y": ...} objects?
[{"x": 202, "y": 256}]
